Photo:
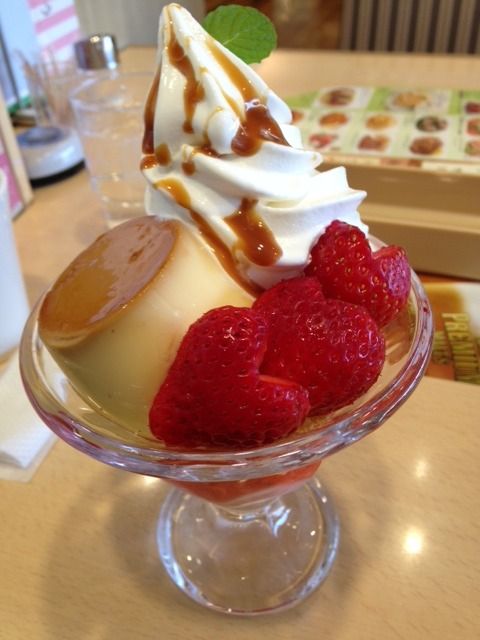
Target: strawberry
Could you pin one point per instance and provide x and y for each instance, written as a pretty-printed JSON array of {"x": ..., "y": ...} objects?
[
  {"x": 214, "y": 394},
  {"x": 345, "y": 266},
  {"x": 332, "y": 348}
]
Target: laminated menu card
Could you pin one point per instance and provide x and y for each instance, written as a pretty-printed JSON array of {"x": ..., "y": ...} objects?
[
  {"x": 456, "y": 344},
  {"x": 381, "y": 122}
]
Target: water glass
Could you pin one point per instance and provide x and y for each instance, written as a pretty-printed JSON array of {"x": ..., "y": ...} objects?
[{"x": 109, "y": 119}]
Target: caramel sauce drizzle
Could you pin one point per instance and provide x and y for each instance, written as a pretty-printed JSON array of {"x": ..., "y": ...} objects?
[
  {"x": 178, "y": 192},
  {"x": 148, "y": 162},
  {"x": 193, "y": 92},
  {"x": 237, "y": 78},
  {"x": 161, "y": 156},
  {"x": 188, "y": 166},
  {"x": 255, "y": 239},
  {"x": 257, "y": 123},
  {"x": 234, "y": 106},
  {"x": 257, "y": 127},
  {"x": 148, "y": 146},
  {"x": 176, "y": 189}
]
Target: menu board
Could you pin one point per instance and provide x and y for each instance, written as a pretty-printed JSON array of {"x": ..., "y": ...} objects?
[{"x": 382, "y": 122}]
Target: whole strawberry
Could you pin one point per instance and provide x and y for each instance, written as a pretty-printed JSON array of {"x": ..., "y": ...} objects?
[
  {"x": 332, "y": 348},
  {"x": 214, "y": 394},
  {"x": 348, "y": 270}
]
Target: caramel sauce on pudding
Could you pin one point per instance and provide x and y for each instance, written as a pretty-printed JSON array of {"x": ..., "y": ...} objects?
[{"x": 105, "y": 278}]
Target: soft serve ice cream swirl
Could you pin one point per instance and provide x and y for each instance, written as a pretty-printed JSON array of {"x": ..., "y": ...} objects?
[{"x": 221, "y": 155}]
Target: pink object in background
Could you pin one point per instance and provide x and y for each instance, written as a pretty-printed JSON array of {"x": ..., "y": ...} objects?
[
  {"x": 56, "y": 25},
  {"x": 14, "y": 308},
  {"x": 14, "y": 198}
]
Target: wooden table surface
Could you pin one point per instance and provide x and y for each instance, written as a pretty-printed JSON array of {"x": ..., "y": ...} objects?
[{"x": 77, "y": 550}]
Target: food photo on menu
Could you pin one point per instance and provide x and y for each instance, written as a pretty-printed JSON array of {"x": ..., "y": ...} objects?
[{"x": 391, "y": 123}]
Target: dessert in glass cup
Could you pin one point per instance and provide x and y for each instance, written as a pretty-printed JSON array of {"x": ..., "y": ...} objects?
[{"x": 236, "y": 336}]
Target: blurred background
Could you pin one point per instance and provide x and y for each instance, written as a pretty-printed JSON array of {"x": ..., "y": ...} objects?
[
  {"x": 442, "y": 26},
  {"x": 50, "y": 27},
  {"x": 38, "y": 69},
  {"x": 304, "y": 24}
]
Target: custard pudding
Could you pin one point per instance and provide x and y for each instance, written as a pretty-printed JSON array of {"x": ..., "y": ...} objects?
[{"x": 114, "y": 319}]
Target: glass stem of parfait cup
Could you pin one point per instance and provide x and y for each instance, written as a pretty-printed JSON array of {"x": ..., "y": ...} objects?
[
  {"x": 272, "y": 512},
  {"x": 244, "y": 546},
  {"x": 255, "y": 554}
]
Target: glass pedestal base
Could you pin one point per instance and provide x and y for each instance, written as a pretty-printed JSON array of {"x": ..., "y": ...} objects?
[{"x": 248, "y": 561}]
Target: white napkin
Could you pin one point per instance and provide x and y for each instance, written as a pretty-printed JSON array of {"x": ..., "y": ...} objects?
[{"x": 24, "y": 439}]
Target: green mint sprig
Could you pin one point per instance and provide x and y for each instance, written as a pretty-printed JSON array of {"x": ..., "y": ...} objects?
[{"x": 246, "y": 32}]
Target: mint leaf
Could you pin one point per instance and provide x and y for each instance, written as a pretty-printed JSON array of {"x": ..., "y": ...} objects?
[{"x": 245, "y": 31}]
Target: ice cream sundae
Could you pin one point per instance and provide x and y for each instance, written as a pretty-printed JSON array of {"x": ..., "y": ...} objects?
[
  {"x": 234, "y": 337},
  {"x": 249, "y": 298}
]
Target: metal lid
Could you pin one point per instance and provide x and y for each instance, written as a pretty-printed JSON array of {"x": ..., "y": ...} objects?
[{"x": 97, "y": 52}]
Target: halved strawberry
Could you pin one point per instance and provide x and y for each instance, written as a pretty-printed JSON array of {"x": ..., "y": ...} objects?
[
  {"x": 332, "y": 348},
  {"x": 214, "y": 394},
  {"x": 348, "y": 270}
]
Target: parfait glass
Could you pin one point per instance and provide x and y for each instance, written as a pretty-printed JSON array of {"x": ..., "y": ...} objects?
[{"x": 241, "y": 532}]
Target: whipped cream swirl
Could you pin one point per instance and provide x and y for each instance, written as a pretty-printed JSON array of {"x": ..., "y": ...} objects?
[{"x": 220, "y": 154}]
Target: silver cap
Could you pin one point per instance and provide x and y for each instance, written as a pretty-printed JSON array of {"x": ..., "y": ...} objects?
[{"x": 97, "y": 52}]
